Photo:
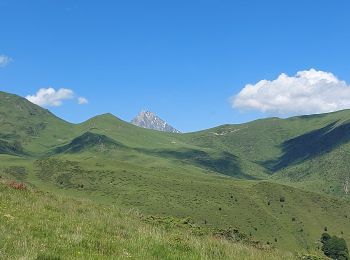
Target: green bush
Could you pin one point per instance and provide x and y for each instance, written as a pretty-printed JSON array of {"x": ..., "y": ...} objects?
[
  {"x": 325, "y": 237},
  {"x": 334, "y": 247}
]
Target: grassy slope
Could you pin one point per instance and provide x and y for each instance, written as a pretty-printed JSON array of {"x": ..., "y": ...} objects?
[
  {"x": 307, "y": 151},
  {"x": 36, "y": 129},
  {"x": 40, "y": 132},
  {"x": 36, "y": 224},
  {"x": 262, "y": 140},
  {"x": 172, "y": 174},
  {"x": 327, "y": 173},
  {"x": 170, "y": 147},
  {"x": 253, "y": 207}
]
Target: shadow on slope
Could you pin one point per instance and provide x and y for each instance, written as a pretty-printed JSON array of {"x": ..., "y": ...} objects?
[
  {"x": 11, "y": 148},
  {"x": 88, "y": 141},
  {"x": 312, "y": 144},
  {"x": 224, "y": 162}
]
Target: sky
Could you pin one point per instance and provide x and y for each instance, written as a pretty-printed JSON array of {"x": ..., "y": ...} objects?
[{"x": 195, "y": 63}]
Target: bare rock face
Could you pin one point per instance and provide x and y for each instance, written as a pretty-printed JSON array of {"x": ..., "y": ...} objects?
[{"x": 150, "y": 120}]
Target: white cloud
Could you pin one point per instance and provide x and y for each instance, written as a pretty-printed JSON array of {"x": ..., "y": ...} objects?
[
  {"x": 4, "y": 60},
  {"x": 307, "y": 92},
  {"x": 50, "y": 97},
  {"x": 82, "y": 101}
]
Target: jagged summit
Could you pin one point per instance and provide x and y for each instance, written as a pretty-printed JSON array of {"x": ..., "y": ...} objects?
[{"x": 147, "y": 119}]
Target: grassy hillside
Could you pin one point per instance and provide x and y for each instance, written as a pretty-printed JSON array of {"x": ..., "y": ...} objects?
[
  {"x": 38, "y": 225},
  {"x": 55, "y": 134},
  {"x": 282, "y": 216},
  {"x": 290, "y": 148},
  {"x": 254, "y": 177},
  {"x": 266, "y": 139},
  {"x": 30, "y": 128}
]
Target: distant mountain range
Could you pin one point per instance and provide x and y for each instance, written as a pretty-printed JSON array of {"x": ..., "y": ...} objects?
[{"x": 147, "y": 119}]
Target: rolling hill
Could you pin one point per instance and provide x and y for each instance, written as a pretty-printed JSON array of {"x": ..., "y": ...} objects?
[
  {"x": 279, "y": 181},
  {"x": 309, "y": 151}
]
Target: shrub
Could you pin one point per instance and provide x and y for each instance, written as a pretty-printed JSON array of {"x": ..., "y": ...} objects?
[
  {"x": 325, "y": 237},
  {"x": 230, "y": 234},
  {"x": 334, "y": 247}
]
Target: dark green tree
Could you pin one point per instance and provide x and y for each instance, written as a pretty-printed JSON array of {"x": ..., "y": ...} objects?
[
  {"x": 325, "y": 237},
  {"x": 334, "y": 247}
]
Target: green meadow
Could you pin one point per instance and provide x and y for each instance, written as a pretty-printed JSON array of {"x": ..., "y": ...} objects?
[
  {"x": 105, "y": 188},
  {"x": 41, "y": 225}
]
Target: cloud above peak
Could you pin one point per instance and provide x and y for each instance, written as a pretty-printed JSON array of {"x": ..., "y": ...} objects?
[
  {"x": 49, "y": 97},
  {"x": 46, "y": 97},
  {"x": 4, "y": 60},
  {"x": 308, "y": 92}
]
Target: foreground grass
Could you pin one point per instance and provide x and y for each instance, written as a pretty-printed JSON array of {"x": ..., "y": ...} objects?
[
  {"x": 253, "y": 207},
  {"x": 38, "y": 225}
]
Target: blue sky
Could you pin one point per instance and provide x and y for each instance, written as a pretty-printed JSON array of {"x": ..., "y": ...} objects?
[{"x": 183, "y": 60}]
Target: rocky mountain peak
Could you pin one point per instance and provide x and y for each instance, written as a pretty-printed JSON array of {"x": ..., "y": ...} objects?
[{"x": 147, "y": 119}]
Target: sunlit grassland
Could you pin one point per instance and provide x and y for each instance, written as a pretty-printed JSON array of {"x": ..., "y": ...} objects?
[{"x": 41, "y": 225}]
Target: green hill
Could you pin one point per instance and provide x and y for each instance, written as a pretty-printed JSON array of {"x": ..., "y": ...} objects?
[
  {"x": 279, "y": 181},
  {"x": 293, "y": 150},
  {"x": 87, "y": 141}
]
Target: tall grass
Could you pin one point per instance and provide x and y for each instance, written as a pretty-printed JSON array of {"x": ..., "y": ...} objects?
[{"x": 38, "y": 225}]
